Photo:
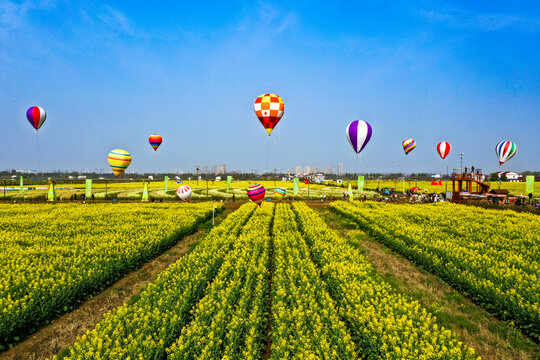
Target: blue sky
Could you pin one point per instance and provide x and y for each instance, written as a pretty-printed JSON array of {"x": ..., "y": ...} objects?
[{"x": 110, "y": 74}]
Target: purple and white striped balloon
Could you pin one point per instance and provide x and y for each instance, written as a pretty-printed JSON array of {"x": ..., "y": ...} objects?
[{"x": 359, "y": 132}]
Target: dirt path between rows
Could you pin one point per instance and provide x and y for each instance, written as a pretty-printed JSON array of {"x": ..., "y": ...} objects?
[
  {"x": 490, "y": 337},
  {"x": 64, "y": 330}
]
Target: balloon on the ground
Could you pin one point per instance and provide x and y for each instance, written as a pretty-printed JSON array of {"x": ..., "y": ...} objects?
[
  {"x": 184, "y": 192},
  {"x": 358, "y": 133},
  {"x": 119, "y": 160},
  {"x": 443, "y": 148},
  {"x": 269, "y": 108},
  {"x": 279, "y": 193},
  {"x": 36, "y": 116},
  {"x": 505, "y": 150},
  {"x": 256, "y": 193},
  {"x": 155, "y": 140},
  {"x": 408, "y": 145}
]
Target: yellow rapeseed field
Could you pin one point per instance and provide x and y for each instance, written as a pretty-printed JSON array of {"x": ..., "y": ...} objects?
[
  {"x": 52, "y": 256},
  {"x": 491, "y": 255}
]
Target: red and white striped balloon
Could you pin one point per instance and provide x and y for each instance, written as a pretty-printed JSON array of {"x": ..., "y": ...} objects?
[
  {"x": 443, "y": 148},
  {"x": 184, "y": 193}
]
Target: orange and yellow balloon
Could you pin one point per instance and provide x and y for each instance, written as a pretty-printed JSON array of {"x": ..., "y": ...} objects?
[
  {"x": 119, "y": 160},
  {"x": 269, "y": 108}
]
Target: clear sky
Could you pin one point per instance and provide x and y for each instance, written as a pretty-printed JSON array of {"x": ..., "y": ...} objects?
[{"x": 109, "y": 74}]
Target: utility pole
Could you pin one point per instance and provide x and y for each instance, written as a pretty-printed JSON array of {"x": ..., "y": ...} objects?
[{"x": 461, "y": 168}]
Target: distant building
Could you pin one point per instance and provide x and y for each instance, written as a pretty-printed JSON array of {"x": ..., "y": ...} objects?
[
  {"x": 479, "y": 177},
  {"x": 307, "y": 170},
  {"x": 340, "y": 169},
  {"x": 220, "y": 169},
  {"x": 510, "y": 176},
  {"x": 299, "y": 171},
  {"x": 328, "y": 170}
]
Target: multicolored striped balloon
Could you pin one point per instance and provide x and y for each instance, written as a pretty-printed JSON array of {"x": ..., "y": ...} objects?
[
  {"x": 505, "y": 150},
  {"x": 256, "y": 193},
  {"x": 184, "y": 193},
  {"x": 279, "y": 193},
  {"x": 36, "y": 116},
  {"x": 155, "y": 140},
  {"x": 443, "y": 148},
  {"x": 408, "y": 145},
  {"x": 119, "y": 160},
  {"x": 358, "y": 133}
]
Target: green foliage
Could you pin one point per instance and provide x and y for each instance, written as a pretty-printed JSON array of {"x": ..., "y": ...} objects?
[
  {"x": 147, "y": 327},
  {"x": 490, "y": 255},
  {"x": 382, "y": 322},
  {"x": 54, "y": 256}
]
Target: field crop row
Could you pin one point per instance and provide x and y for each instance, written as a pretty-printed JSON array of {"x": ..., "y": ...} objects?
[
  {"x": 492, "y": 256},
  {"x": 229, "y": 322},
  {"x": 305, "y": 322},
  {"x": 52, "y": 256},
  {"x": 383, "y": 324},
  {"x": 150, "y": 325},
  {"x": 271, "y": 281}
]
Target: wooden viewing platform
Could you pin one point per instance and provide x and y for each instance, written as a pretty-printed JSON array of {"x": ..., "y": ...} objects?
[{"x": 464, "y": 183}]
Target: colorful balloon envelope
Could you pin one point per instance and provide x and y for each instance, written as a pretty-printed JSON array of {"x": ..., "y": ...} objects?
[
  {"x": 155, "y": 140},
  {"x": 256, "y": 193},
  {"x": 358, "y": 133},
  {"x": 184, "y": 193},
  {"x": 280, "y": 193},
  {"x": 269, "y": 109},
  {"x": 36, "y": 116},
  {"x": 119, "y": 160},
  {"x": 408, "y": 145},
  {"x": 443, "y": 148},
  {"x": 505, "y": 150}
]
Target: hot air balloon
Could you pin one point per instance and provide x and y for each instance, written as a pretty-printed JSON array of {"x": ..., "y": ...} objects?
[
  {"x": 443, "y": 148},
  {"x": 358, "y": 133},
  {"x": 408, "y": 145},
  {"x": 280, "y": 193},
  {"x": 119, "y": 160},
  {"x": 505, "y": 150},
  {"x": 269, "y": 108},
  {"x": 256, "y": 193},
  {"x": 36, "y": 116},
  {"x": 184, "y": 193},
  {"x": 155, "y": 140}
]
